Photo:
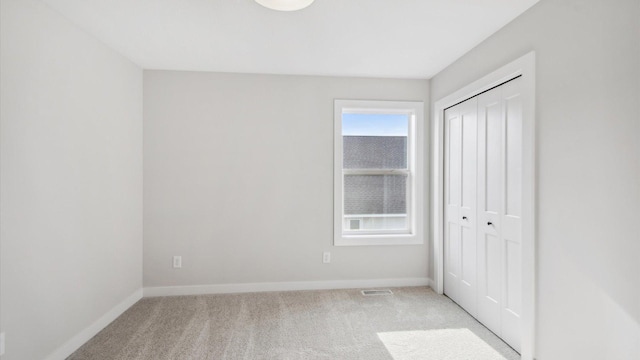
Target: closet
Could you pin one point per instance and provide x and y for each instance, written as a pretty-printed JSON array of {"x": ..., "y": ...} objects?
[{"x": 483, "y": 208}]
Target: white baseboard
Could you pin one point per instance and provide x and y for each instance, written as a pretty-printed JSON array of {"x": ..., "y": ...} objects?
[
  {"x": 281, "y": 286},
  {"x": 83, "y": 336},
  {"x": 432, "y": 284}
]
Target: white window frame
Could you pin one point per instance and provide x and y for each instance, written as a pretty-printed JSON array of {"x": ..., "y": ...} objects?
[{"x": 415, "y": 171}]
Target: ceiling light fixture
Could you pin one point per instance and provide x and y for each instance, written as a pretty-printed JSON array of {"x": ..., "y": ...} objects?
[{"x": 285, "y": 5}]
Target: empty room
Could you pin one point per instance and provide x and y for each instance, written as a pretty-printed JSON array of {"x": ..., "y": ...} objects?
[{"x": 320, "y": 179}]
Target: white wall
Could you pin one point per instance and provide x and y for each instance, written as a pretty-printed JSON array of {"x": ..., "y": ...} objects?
[
  {"x": 71, "y": 179},
  {"x": 238, "y": 180},
  {"x": 588, "y": 138}
]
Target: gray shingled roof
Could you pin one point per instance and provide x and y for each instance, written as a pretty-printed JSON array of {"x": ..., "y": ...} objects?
[
  {"x": 374, "y": 152},
  {"x": 375, "y": 194}
]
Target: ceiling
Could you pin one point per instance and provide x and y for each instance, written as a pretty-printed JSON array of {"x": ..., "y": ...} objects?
[{"x": 372, "y": 38}]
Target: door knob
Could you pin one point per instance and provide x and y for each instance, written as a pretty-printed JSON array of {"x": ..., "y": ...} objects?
[
  {"x": 489, "y": 223},
  {"x": 464, "y": 218}
]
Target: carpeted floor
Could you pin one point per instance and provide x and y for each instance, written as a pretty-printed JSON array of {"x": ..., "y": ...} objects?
[{"x": 413, "y": 323}]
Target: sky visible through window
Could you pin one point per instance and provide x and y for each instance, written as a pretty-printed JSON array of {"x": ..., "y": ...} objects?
[{"x": 375, "y": 124}]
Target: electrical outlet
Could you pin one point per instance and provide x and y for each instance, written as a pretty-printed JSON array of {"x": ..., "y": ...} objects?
[
  {"x": 1, "y": 344},
  {"x": 326, "y": 257},
  {"x": 177, "y": 262}
]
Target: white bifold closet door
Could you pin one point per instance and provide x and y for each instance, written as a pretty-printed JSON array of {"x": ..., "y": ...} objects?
[{"x": 483, "y": 200}]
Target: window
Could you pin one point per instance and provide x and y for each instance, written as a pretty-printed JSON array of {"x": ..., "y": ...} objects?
[{"x": 378, "y": 173}]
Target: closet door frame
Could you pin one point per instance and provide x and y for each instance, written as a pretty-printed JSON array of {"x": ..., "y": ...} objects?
[{"x": 523, "y": 67}]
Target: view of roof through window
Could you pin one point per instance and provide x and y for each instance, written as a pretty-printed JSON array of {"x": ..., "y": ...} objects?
[{"x": 375, "y": 142}]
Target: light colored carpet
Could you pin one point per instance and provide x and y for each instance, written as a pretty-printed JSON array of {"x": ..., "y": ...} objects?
[{"x": 413, "y": 323}]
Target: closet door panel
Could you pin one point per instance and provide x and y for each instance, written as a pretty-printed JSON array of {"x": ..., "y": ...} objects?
[
  {"x": 490, "y": 255},
  {"x": 512, "y": 221},
  {"x": 453, "y": 169},
  {"x": 461, "y": 210},
  {"x": 468, "y": 208}
]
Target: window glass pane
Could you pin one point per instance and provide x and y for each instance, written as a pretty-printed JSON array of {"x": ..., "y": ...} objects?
[
  {"x": 375, "y": 141},
  {"x": 375, "y": 202}
]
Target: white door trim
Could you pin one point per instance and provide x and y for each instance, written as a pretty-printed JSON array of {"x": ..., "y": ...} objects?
[{"x": 525, "y": 67}]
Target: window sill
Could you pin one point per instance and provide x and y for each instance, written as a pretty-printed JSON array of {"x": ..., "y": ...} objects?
[{"x": 373, "y": 240}]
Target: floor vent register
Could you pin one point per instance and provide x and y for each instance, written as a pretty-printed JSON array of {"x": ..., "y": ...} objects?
[{"x": 376, "y": 292}]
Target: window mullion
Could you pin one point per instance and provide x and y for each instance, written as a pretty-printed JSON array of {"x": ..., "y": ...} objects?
[{"x": 376, "y": 171}]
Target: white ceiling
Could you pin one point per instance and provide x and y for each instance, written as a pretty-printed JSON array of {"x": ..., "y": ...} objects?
[{"x": 373, "y": 38}]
